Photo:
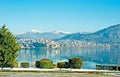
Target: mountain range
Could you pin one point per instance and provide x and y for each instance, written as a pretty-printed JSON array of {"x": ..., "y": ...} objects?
[
  {"x": 36, "y": 34},
  {"x": 110, "y": 35}
]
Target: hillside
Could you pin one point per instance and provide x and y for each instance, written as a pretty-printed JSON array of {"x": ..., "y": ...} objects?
[{"x": 109, "y": 35}]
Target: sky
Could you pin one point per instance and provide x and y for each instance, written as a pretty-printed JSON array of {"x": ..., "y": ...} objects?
[{"x": 56, "y": 15}]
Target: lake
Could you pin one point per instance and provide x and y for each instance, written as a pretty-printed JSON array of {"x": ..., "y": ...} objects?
[{"x": 90, "y": 56}]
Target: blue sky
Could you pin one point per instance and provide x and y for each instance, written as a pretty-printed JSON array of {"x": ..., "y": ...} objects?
[{"x": 66, "y": 15}]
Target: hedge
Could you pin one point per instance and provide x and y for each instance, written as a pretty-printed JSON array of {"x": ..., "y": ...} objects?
[
  {"x": 25, "y": 64},
  {"x": 13, "y": 64},
  {"x": 75, "y": 63},
  {"x": 63, "y": 65},
  {"x": 46, "y": 63},
  {"x": 37, "y": 64},
  {"x": 55, "y": 66}
]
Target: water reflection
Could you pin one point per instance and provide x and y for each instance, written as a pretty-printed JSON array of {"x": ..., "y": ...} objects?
[{"x": 90, "y": 56}]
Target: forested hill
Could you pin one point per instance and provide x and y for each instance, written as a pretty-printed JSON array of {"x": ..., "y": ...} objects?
[{"x": 109, "y": 35}]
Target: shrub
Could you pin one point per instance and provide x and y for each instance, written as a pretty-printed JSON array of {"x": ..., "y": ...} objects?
[
  {"x": 14, "y": 64},
  {"x": 37, "y": 64},
  {"x": 6, "y": 65},
  {"x": 46, "y": 63},
  {"x": 75, "y": 63},
  {"x": 54, "y": 65},
  {"x": 25, "y": 64},
  {"x": 63, "y": 65}
]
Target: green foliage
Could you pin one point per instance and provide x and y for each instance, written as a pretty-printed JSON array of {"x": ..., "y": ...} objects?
[
  {"x": 14, "y": 64},
  {"x": 75, "y": 63},
  {"x": 46, "y": 63},
  {"x": 25, "y": 64},
  {"x": 7, "y": 65},
  {"x": 63, "y": 65},
  {"x": 54, "y": 65},
  {"x": 8, "y": 47},
  {"x": 37, "y": 64}
]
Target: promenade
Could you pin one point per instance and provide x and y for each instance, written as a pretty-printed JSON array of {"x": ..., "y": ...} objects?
[{"x": 37, "y": 72}]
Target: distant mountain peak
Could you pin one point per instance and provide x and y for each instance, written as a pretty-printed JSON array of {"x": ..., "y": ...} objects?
[
  {"x": 62, "y": 32},
  {"x": 20, "y": 33},
  {"x": 36, "y": 34},
  {"x": 115, "y": 26},
  {"x": 31, "y": 31},
  {"x": 111, "y": 28},
  {"x": 36, "y": 31}
]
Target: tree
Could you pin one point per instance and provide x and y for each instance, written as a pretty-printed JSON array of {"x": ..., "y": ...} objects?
[{"x": 8, "y": 47}]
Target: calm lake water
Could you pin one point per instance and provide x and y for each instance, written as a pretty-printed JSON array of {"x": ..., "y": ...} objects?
[{"x": 90, "y": 56}]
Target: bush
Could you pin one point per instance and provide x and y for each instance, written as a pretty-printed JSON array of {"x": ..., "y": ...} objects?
[
  {"x": 37, "y": 64},
  {"x": 46, "y": 63},
  {"x": 14, "y": 64},
  {"x": 6, "y": 65},
  {"x": 75, "y": 63},
  {"x": 54, "y": 65},
  {"x": 25, "y": 64},
  {"x": 63, "y": 65}
]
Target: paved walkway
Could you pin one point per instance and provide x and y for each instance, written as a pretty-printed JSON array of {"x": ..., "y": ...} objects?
[
  {"x": 78, "y": 72},
  {"x": 57, "y": 69},
  {"x": 49, "y": 74}
]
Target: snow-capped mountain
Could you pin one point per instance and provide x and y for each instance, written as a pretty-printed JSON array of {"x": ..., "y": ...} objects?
[
  {"x": 62, "y": 32},
  {"x": 36, "y": 31},
  {"x": 32, "y": 31},
  {"x": 36, "y": 34}
]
